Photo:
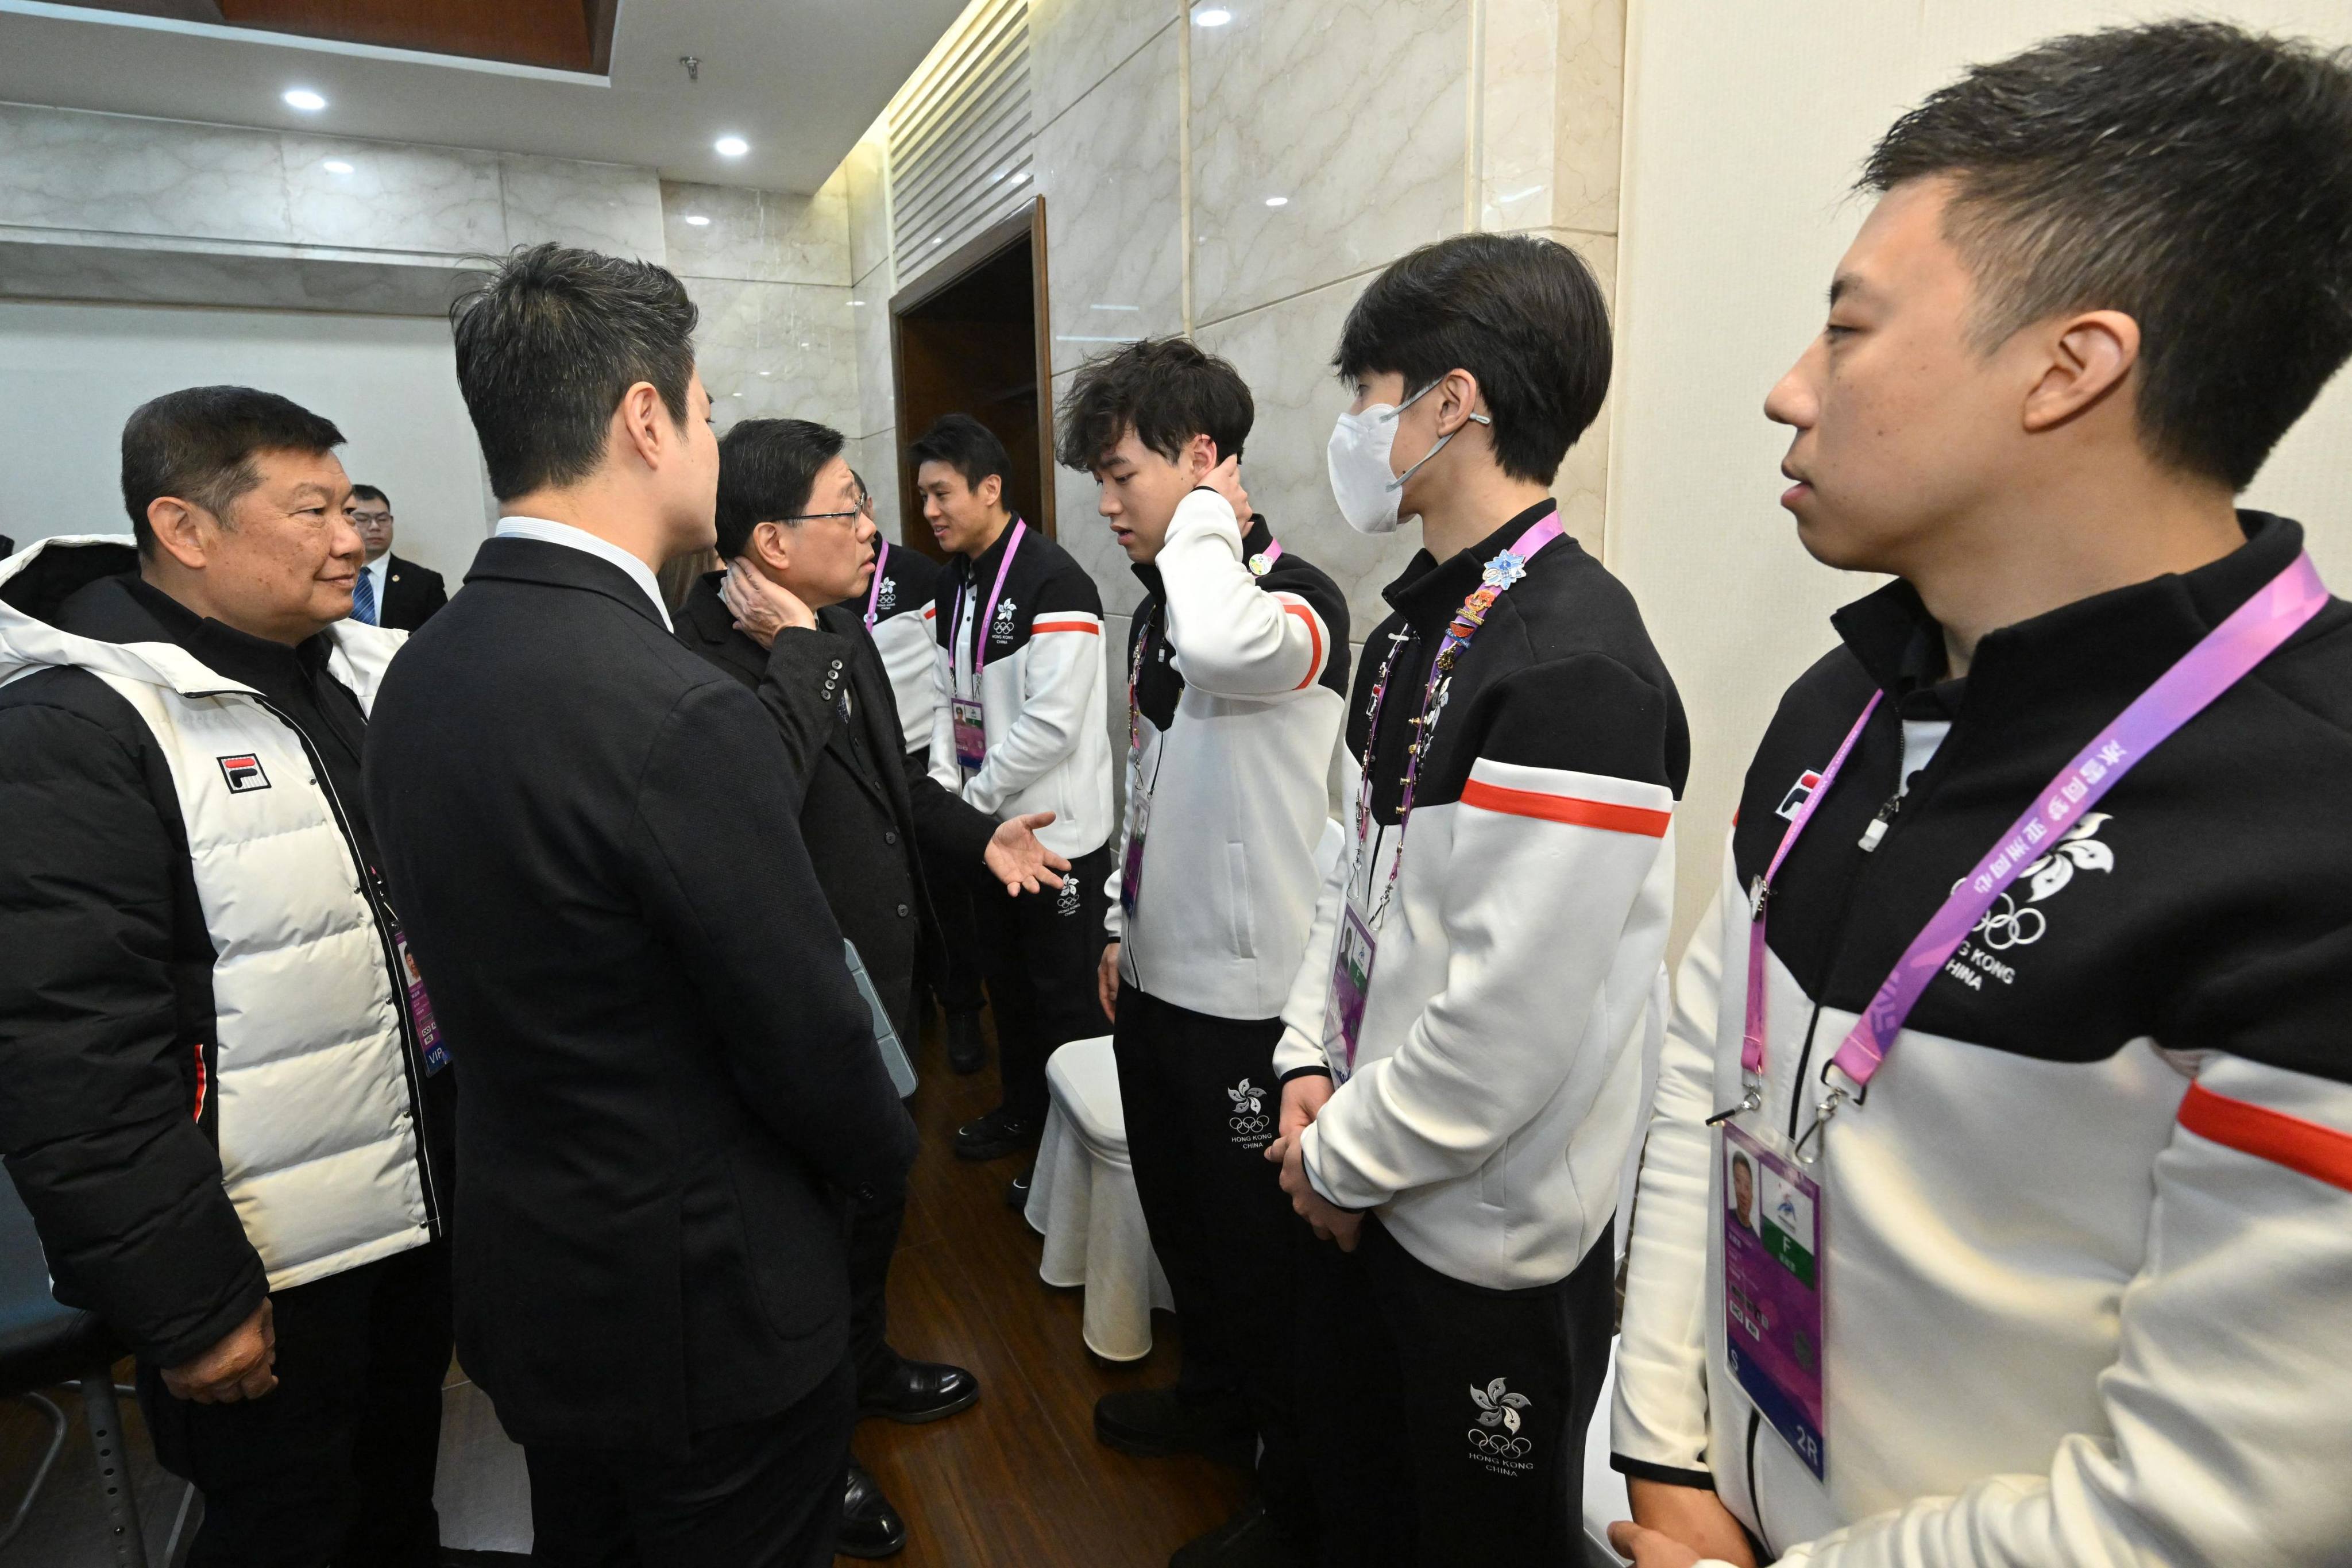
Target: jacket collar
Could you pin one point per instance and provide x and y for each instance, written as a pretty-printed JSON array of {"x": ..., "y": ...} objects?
[
  {"x": 2114, "y": 644},
  {"x": 1430, "y": 589},
  {"x": 512, "y": 558},
  {"x": 1257, "y": 540},
  {"x": 704, "y": 616},
  {"x": 975, "y": 566}
]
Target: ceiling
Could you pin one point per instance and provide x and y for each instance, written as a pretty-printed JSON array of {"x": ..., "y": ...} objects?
[{"x": 798, "y": 80}]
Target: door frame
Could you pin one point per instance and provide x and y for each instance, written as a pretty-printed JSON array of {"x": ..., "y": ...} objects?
[{"x": 1026, "y": 223}]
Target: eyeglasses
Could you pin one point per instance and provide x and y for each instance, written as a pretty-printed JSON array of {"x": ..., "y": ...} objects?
[{"x": 818, "y": 516}]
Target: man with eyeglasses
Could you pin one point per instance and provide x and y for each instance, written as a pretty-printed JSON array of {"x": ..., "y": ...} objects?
[
  {"x": 787, "y": 619},
  {"x": 391, "y": 592}
]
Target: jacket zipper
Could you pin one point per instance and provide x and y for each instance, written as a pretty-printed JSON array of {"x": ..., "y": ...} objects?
[{"x": 378, "y": 912}]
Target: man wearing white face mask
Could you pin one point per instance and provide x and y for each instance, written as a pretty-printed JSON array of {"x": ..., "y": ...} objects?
[{"x": 1460, "y": 1062}]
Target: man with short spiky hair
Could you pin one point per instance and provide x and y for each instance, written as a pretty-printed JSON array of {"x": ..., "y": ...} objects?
[
  {"x": 593, "y": 837},
  {"x": 1236, "y": 665},
  {"x": 2021, "y": 1019}
]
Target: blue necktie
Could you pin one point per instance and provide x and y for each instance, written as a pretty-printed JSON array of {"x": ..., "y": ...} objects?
[{"x": 363, "y": 597}]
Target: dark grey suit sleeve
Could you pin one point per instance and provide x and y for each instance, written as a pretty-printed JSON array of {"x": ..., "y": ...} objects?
[
  {"x": 727, "y": 881},
  {"x": 807, "y": 670}
]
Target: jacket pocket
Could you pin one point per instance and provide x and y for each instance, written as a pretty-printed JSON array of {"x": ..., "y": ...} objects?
[
  {"x": 792, "y": 1241},
  {"x": 1238, "y": 910}
]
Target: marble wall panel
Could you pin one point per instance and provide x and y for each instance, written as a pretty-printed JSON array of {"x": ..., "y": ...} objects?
[
  {"x": 1589, "y": 114},
  {"x": 875, "y": 459},
  {"x": 1075, "y": 44},
  {"x": 727, "y": 244},
  {"x": 806, "y": 239},
  {"x": 1357, "y": 188},
  {"x": 610, "y": 207},
  {"x": 1081, "y": 530},
  {"x": 727, "y": 345},
  {"x": 385, "y": 196},
  {"x": 111, "y": 172},
  {"x": 1109, "y": 169},
  {"x": 869, "y": 317},
  {"x": 1519, "y": 73},
  {"x": 1583, "y": 483},
  {"x": 805, "y": 365},
  {"x": 1283, "y": 352}
]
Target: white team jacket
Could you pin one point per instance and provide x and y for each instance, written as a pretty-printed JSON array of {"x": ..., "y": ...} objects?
[{"x": 1248, "y": 677}]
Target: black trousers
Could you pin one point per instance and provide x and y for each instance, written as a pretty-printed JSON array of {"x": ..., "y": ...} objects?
[
  {"x": 336, "y": 1464},
  {"x": 1407, "y": 1473},
  {"x": 757, "y": 1494},
  {"x": 949, "y": 961},
  {"x": 1202, "y": 1103},
  {"x": 1039, "y": 951},
  {"x": 869, "y": 1239}
]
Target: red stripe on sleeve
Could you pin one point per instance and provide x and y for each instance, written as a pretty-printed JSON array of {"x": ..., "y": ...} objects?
[
  {"x": 1568, "y": 808},
  {"x": 1089, "y": 627},
  {"x": 1315, "y": 631},
  {"x": 2320, "y": 1153}
]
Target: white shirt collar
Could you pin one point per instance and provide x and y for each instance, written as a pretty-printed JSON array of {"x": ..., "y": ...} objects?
[
  {"x": 548, "y": 532},
  {"x": 379, "y": 568}
]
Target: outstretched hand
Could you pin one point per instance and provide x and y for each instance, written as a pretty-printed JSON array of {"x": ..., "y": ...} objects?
[{"x": 1017, "y": 858}]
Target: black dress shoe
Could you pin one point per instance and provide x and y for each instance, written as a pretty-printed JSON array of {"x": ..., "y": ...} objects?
[
  {"x": 1016, "y": 1191},
  {"x": 1250, "y": 1539},
  {"x": 870, "y": 1527},
  {"x": 1152, "y": 1422},
  {"x": 995, "y": 1135},
  {"x": 967, "y": 1049},
  {"x": 919, "y": 1391}
]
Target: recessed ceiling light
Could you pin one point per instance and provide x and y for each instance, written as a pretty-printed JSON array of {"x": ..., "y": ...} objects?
[
  {"x": 698, "y": 220},
  {"x": 731, "y": 146},
  {"x": 303, "y": 99},
  {"x": 1277, "y": 201},
  {"x": 1212, "y": 15},
  {"x": 767, "y": 373},
  {"x": 336, "y": 166}
]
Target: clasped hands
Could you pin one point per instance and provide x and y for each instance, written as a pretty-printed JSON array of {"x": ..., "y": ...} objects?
[{"x": 1303, "y": 1099}]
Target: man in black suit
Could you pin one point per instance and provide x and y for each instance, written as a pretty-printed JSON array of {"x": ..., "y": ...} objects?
[
  {"x": 790, "y": 521},
  {"x": 663, "y": 1068},
  {"x": 391, "y": 592}
]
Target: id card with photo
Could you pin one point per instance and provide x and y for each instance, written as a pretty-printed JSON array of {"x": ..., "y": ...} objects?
[
  {"x": 1772, "y": 1291},
  {"x": 1351, "y": 982},
  {"x": 971, "y": 735},
  {"x": 429, "y": 1044}
]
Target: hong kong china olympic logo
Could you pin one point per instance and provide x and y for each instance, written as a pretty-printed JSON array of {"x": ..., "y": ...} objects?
[
  {"x": 2008, "y": 924},
  {"x": 1249, "y": 1108},
  {"x": 1497, "y": 1434}
]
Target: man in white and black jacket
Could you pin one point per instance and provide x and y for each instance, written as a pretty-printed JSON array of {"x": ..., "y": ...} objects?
[
  {"x": 1018, "y": 728},
  {"x": 2085, "y": 1243},
  {"x": 1237, "y": 664},
  {"x": 1460, "y": 1052},
  {"x": 234, "y": 1138}
]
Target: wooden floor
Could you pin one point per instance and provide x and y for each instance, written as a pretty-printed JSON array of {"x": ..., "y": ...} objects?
[{"x": 1018, "y": 1481}]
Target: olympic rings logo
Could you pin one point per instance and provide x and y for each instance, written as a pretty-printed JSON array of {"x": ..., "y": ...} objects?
[
  {"x": 2005, "y": 925},
  {"x": 1250, "y": 1123},
  {"x": 1497, "y": 1446}
]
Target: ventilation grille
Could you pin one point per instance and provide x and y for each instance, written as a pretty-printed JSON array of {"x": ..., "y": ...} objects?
[{"x": 960, "y": 136}]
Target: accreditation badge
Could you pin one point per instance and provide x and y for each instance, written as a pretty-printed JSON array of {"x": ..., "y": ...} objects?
[
  {"x": 1772, "y": 1291},
  {"x": 971, "y": 735},
  {"x": 1131, "y": 860},
  {"x": 1351, "y": 982}
]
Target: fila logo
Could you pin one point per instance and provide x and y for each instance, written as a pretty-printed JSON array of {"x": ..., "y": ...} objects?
[
  {"x": 1799, "y": 793},
  {"x": 244, "y": 773}
]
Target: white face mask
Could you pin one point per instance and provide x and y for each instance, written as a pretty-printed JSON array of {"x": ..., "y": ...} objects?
[{"x": 1363, "y": 481}]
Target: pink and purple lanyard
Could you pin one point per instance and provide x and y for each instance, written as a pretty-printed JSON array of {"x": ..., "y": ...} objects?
[
  {"x": 882, "y": 564},
  {"x": 1501, "y": 573},
  {"x": 955, "y": 632},
  {"x": 2218, "y": 662}
]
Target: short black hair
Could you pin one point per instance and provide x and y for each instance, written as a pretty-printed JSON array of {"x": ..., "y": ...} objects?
[
  {"x": 1520, "y": 312},
  {"x": 547, "y": 347},
  {"x": 2193, "y": 176},
  {"x": 199, "y": 444},
  {"x": 968, "y": 447},
  {"x": 369, "y": 492},
  {"x": 1168, "y": 390},
  {"x": 766, "y": 469}
]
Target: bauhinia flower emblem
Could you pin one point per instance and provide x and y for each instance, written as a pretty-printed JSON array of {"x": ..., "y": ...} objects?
[
  {"x": 2075, "y": 851},
  {"x": 1498, "y": 1406},
  {"x": 1247, "y": 1098}
]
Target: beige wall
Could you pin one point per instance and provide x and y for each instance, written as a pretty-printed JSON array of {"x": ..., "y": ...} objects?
[{"x": 1745, "y": 125}]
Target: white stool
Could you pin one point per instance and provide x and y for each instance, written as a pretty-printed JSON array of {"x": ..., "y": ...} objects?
[{"x": 1082, "y": 1201}]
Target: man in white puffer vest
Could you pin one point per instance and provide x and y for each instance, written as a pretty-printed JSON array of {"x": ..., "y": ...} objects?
[{"x": 226, "y": 1109}]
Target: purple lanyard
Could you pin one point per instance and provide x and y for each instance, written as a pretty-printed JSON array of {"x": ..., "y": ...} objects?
[
  {"x": 881, "y": 564},
  {"x": 955, "y": 633},
  {"x": 2275, "y": 612},
  {"x": 1502, "y": 572}
]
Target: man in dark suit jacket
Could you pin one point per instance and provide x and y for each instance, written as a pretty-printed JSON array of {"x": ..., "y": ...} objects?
[
  {"x": 790, "y": 519},
  {"x": 391, "y": 591},
  {"x": 663, "y": 1068}
]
